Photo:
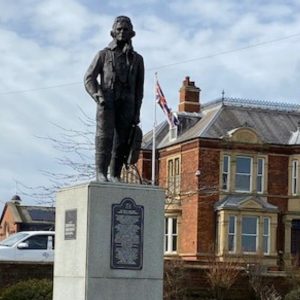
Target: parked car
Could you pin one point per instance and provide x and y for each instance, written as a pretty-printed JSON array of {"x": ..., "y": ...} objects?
[{"x": 28, "y": 246}]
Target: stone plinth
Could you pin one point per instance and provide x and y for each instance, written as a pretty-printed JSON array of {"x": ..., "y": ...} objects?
[{"x": 109, "y": 242}]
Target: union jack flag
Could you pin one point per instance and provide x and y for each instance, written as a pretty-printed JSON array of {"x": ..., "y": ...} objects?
[{"x": 162, "y": 102}]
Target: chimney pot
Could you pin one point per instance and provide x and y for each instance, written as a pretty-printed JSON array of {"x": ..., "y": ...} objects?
[{"x": 186, "y": 81}]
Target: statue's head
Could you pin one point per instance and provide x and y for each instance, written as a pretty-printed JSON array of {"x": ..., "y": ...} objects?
[{"x": 122, "y": 29}]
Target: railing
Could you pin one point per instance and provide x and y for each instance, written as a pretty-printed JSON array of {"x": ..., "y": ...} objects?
[{"x": 239, "y": 102}]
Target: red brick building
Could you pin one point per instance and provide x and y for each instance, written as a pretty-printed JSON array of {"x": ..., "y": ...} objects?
[
  {"x": 16, "y": 217},
  {"x": 231, "y": 171}
]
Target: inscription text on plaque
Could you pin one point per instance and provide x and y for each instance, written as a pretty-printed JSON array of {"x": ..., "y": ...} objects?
[
  {"x": 127, "y": 229},
  {"x": 70, "y": 224}
]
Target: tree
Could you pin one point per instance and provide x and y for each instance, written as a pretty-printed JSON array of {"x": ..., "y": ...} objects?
[
  {"x": 175, "y": 280},
  {"x": 222, "y": 275},
  {"x": 76, "y": 150},
  {"x": 75, "y": 161},
  {"x": 262, "y": 289}
]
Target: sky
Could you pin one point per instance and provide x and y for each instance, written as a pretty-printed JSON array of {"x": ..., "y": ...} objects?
[{"x": 249, "y": 49}]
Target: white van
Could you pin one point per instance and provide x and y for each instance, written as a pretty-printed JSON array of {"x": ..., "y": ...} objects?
[{"x": 28, "y": 246}]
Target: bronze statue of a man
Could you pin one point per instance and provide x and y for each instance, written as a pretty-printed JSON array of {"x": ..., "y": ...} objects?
[{"x": 118, "y": 94}]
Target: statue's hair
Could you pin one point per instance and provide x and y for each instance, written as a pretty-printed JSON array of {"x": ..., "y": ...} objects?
[{"x": 122, "y": 19}]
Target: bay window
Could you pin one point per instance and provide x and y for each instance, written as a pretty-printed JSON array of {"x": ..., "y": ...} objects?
[
  {"x": 249, "y": 234},
  {"x": 266, "y": 235},
  {"x": 255, "y": 234},
  {"x": 232, "y": 234}
]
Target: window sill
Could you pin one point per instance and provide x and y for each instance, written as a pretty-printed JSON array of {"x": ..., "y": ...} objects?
[{"x": 170, "y": 253}]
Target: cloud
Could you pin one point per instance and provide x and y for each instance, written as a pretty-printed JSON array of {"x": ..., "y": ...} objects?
[
  {"x": 130, "y": 3},
  {"x": 51, "y": 43},
  {"x": 11, "y": 12}
]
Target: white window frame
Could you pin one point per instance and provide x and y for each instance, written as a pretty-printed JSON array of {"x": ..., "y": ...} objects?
[
  {"x": 174, "y": 171},
  {"x": 226, "y": 173},
  {"x": 260, "y": 176},
  {"x": 294, "y": 177},
  {"x": 250, "y": 234},
  {"x": 230, "y": 234},
  {"x": 170, "y": 235},
  {"x": 243, "y": 174},
  {"x": 266, "y": 235}
]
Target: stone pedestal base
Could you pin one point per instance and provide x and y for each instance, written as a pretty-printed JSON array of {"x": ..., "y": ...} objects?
[{"x": 109, "y": 242}]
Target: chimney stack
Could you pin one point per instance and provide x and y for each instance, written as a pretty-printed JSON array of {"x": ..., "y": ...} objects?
[{"x": 189, "y": 97}]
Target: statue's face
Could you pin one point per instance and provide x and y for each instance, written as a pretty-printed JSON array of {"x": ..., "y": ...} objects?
[{"x": 122, "y": 32}]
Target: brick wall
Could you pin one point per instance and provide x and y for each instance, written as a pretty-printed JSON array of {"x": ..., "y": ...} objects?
[
  {"x": 144, "y": 165},
  {"x": 198, "y": 195},
  {"x": 189, "y": 200},
  {"x": 278, "y": 177},
  {"x": 188, "y": 229},
  {"x": 278, "y": 191},
  {"x": 208, "y": 195},
  {"x": 189, "y": 166},
  {"x": 162, "y": 172},
  {"x": 8, "y": 224}
]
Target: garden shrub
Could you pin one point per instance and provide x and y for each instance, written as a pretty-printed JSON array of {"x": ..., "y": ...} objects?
[
  {"x": 34, "y": 289},
  {"x": 293, "y": 295}
]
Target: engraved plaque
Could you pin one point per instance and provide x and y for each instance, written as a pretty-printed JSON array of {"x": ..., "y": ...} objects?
[
  {"x": 70, "y": 224},
  {"x": 127, "y": 230}
]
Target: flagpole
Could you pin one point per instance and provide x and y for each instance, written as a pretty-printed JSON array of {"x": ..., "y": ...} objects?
[{"x": 154, "y": 133}]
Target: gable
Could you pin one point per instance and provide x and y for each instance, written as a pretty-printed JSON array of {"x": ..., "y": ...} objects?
[
  {"x": 250, "y": 204},
  {"x": 244, "y": 202},
  {"x": 243, "y": 135},
  {"x": 10, "y": 213}
]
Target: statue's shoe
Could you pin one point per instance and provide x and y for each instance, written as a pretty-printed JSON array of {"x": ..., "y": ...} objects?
[
  {"x": 101, "y": 178},
  {"x": 115, "y": 179}
]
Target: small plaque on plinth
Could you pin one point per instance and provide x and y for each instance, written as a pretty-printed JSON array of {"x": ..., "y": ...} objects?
[
  {"x": 70, "y": 224},
  {"x": 127, "y": 230}
]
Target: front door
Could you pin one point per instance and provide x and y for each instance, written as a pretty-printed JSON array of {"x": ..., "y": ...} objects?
[{"x": 295, "y": 241}]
